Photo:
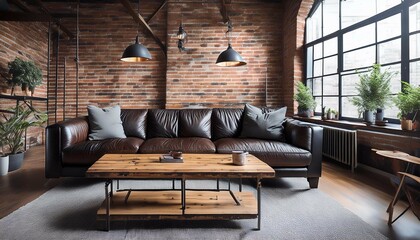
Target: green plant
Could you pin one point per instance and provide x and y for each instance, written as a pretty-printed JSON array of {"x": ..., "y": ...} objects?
[
  {"x": 25, "y": 74},
  {"x": 304, "y": 97},
  {"x": 408, "y": 101},
  {"x": 373, "y": 89},
  {"x": 14, "y": 125}
]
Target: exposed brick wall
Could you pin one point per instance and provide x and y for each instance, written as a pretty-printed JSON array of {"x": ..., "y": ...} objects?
[
  {"x": 293, "y": 56},
  {"x": 106, "y": 29},
  {"x": 193, "y": 78},
  {"x": 27, "y": 41}
]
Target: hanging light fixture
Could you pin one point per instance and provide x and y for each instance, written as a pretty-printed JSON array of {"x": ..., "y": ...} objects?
[
  {"x": 136, "y": 52},
  {"x": 182, "y": 37},
  {"x": 230, "y": 57}
]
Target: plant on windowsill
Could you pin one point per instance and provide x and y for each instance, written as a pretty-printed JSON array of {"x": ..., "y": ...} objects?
[
  {"x": 14, "y": 123},
  {"x": 374, "y": 92},
  {"x": 408, "y": 102},
  {"x": 306, "y": 102},
  {"x": 24, "y": 74}
]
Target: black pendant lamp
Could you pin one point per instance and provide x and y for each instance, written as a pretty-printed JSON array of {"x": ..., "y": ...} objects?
[
  {"x": 230, "y": 57},
  {"x": 136, "y": 52}
]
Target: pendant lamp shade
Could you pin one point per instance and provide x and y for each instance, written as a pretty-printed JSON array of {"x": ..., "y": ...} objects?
[
  {"x": 230, "y": 58},
  {"x": 136, "y": 53}
]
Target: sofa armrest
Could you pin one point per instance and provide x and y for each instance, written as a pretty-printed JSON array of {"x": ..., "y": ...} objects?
[
  {"x": 59, "y": 136},
  {"x": 307, "y": 136}
]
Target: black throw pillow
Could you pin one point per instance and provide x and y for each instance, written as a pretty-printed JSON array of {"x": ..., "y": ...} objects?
[{"x": 262, "y": 124}]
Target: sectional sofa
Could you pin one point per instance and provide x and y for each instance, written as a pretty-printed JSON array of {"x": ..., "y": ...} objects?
[{"x": 297, "y": 153}]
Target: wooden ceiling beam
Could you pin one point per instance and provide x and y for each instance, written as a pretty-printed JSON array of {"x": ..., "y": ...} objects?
[
  {"x": 223, "y": 10},
  {"x": 157, "y": 10},
  {"x": 42, "y": 7},
  {"x": 139, "y": 19},
  {"x": 24, "y": 17}
]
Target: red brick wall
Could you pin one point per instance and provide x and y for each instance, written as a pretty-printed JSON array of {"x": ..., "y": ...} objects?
[
  {"x": 27, "y": 41},
  {"x": 293, "y": 56},
  {"x": 193, "y": 78}
]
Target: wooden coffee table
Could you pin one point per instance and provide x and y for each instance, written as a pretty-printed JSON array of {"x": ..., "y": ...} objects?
[{"x": 183, "y": 203}]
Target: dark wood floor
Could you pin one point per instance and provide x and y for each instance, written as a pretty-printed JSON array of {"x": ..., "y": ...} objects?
[{"x": 365, "y": 193}]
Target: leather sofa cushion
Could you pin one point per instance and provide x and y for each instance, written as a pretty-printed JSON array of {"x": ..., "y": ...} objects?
[
  {"x": 274, "y": 153},
  {"x": 186, "y": 145},
  {"x": 194, "y": 123},
  {"x": 298, "y": 134},
  {"x": 74, "y": 130},
  {"x": 226, "y": 122},
  {"x": 134, "y": 122},
  {"x": 162, "y": 123},
  {"x": 88, "y": 152}
]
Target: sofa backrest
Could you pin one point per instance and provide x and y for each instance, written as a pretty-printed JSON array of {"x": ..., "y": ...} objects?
[
  {"x": 162, "y": 123},
  {"x": 134, "y": 122},
  {"x": 195, "y": 123},
  {"x": 226, "y": 122},
  {"x": 171, "y": 123}
]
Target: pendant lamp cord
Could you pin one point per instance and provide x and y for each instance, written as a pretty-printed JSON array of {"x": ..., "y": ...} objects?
[
  {"x": 77, "y": 59},
  {"x": 138, "y": 24},
  {"x": 229, "y": 31}
]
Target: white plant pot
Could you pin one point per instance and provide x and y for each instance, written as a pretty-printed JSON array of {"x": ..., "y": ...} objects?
[{"x": 4, "y": 165}]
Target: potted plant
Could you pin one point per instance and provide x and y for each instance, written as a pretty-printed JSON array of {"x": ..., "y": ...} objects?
[
  {"x": 408, "y": 101},
  {"x": 306, "y": 102},
  {"x": 25, "y": 74},
  {"x": 13, "y": 127},
  {"x": 374, "y": 92}
]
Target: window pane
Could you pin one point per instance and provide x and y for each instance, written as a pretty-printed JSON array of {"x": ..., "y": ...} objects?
[
  {"x": 359, "y": 37},
  {"x": 318, "y": 51},
  {"x": 414, "y": 17},
  {"x": 317, "y": 87},
  {"x": 331, "y": 21},
  {"x": 389, "y": 27},
  {"x": 348, "y": 84},
  {"x": 330, "y": 47},
  {"x": 383, "y": 5},
  {"x": 330, "y": 65},
  {"x": 348, "y": 109},
  {"x": 415, "y": 73},
  {"x": 309, "y": 59},
  {"x": 318, "y": 68},
  {"x": 318, "y": 104},
  {"x": 309, "y": 83},
  {"x": 330, "y": 85},
  {"x": 354, "y": 11},
  {"x": 396, "y": 77},
  {"x": 331, "y": 102},
  {"x": 314, "y": 25},
  {"x": 415, "y": 46},
  {"x": 391, "y": 111},
  {"x": 390, "y": 51},
  {"x": 364, "y": 57}
]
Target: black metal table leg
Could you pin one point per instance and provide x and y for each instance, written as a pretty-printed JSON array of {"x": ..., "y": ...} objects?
[
  {"x": 183, "y": 195},
  {"x": 259, "y": 202},
  {"x": 108, "y": 205},
  {"x": 240, "y": 184}
]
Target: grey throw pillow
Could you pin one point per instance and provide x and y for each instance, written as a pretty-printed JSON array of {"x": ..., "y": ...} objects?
[
  {"x": 262, "y": 123},
  {"x": 105, "y": 123}
]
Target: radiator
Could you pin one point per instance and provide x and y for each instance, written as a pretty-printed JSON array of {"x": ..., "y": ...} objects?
[{"x": 340, "y": 145}]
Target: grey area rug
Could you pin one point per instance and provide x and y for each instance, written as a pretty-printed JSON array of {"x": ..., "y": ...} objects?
[{"x": 289, "y": 211}]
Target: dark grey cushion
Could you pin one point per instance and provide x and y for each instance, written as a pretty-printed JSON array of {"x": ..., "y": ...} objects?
[
  {"x": 105, "y": 123},
  {"x": 262, "y": 123}
]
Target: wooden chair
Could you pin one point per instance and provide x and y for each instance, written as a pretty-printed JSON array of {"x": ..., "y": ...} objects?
[{"x": 409, "y": 183}]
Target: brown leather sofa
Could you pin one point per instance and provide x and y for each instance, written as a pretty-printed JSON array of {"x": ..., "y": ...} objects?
[{"x": 69, "y": 153}]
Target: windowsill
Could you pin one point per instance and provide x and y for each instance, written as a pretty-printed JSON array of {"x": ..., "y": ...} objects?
[{"x": 390, "y": 128}]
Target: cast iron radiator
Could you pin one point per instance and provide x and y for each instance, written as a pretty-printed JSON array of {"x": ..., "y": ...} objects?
[{"x": 340, "y": 145}]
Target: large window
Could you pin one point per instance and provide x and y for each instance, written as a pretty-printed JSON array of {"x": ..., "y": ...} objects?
[{"x": 345, "y": 38}]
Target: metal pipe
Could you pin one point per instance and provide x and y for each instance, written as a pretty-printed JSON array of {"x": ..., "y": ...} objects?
[
  {"x": 48, "y": 71},
  {"x": 77, "y": 60},
  {"x": 56, "y": 75},
  {"x": 64, "y": 89}
]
